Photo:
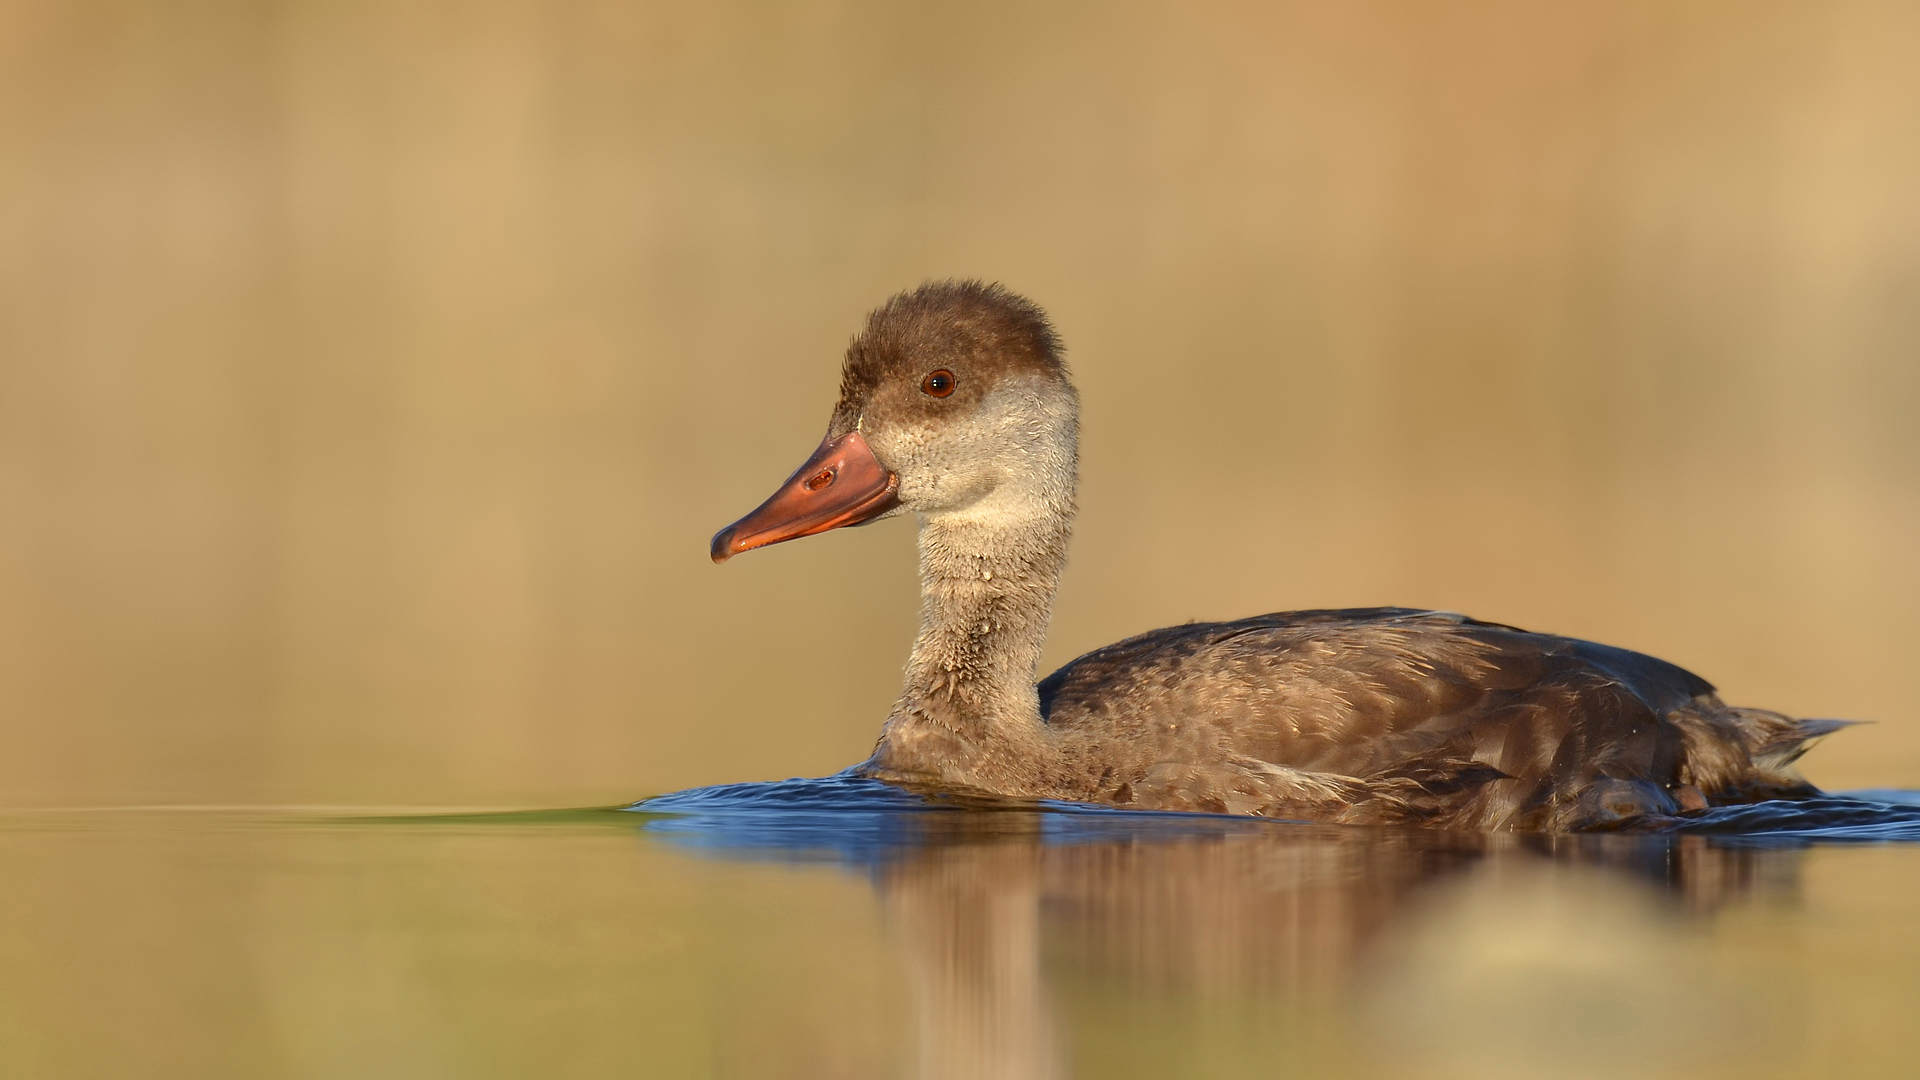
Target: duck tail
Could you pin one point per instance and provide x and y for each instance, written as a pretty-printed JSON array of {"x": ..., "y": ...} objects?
[
  {"x": 1776, "y": 741},
  {"x": 1738, "y": 755}
]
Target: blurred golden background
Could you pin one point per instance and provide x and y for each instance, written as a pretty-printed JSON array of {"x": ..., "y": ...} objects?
[{"x": 373, "y": 375}]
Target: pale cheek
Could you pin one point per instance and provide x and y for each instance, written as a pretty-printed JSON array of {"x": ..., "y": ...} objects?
[
  {"x": 937, "y": 473},
  {"x": 906, "y": 454}
]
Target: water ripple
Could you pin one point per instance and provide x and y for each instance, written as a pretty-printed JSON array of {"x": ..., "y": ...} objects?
[{"x": 850, "y": 818}]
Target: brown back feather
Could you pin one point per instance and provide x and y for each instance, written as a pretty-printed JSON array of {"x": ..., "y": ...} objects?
[{"x": 1441, "y": 718}]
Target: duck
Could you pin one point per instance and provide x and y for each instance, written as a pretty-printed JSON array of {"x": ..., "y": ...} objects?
[{"x": 956, "y": 406}]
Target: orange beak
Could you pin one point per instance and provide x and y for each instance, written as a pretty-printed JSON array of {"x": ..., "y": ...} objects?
[{"x": 841, "y": 484}]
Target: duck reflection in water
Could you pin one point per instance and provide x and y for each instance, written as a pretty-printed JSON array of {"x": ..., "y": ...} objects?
[{"x": 1002, "y": 916}]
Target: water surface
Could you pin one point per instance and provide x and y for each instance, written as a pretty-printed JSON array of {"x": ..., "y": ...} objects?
[{"x": 842, "y": 929}]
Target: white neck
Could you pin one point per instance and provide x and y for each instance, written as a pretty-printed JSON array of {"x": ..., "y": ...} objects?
[{"x": 988, "y": 571}]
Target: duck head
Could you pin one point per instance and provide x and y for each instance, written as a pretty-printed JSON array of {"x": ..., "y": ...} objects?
[{"x": 954, "y": 404}]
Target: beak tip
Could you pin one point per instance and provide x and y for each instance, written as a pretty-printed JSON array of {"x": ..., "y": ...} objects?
[{"x": 858, "y": 489}]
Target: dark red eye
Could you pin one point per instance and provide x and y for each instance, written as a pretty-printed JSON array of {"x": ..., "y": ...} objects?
[{"x": 938, "y": 384}]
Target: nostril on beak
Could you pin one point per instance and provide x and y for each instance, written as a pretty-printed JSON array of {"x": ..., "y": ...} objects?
[{"x": 820, "y": 480}]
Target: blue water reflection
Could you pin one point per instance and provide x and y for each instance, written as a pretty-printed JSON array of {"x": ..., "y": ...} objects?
[{"x": 846, "y": 818}]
